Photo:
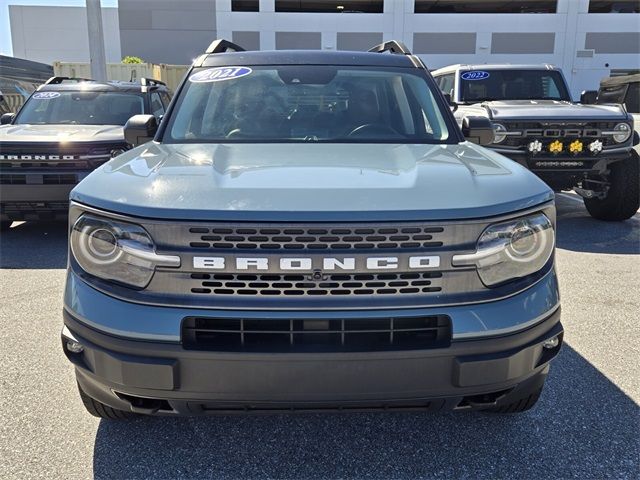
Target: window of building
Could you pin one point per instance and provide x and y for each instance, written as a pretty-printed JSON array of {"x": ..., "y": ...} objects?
[
  {"x": 330, "y": 6},
  {"x": 476, "y": 6},
  {"x": 245, "y": 5},
  {"x": 615, "y": 6}
]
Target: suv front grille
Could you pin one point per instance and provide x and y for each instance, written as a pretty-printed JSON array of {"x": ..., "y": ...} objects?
[
  {"x": 523, "y": 141},
  {"x": 333, "y": 285},
  {"x": 321, "y": 335},
  {"x": 29, "y": 156},
  {"x": 315, "y": 238}
]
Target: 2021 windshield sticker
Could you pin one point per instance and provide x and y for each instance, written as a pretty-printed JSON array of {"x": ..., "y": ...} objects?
[
  {"x": 475, "y": 75},
  {"x": 45, "y": 95},
  {"x": 219, "y": 74}
]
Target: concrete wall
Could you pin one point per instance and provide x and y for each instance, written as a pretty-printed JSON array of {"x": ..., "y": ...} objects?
[
  {"x": 166, "y": 31},
  {"x": 49, "y": 34}
]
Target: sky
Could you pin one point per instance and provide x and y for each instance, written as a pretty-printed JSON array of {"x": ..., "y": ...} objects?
[{"x": 5, "y": 28}]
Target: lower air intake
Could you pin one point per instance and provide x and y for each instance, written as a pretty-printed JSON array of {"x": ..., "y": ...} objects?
[{"x": 316, "y": 335}]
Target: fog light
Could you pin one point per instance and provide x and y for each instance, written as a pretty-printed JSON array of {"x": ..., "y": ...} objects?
[
  {"x": 72, "y": 344},
  {"x": 74, "y": 347},
  {"x": 595, "y": 146},
  {"x": 555, "y": 147},
  {"x": 575, "y": 147},
  {"x": 551, "y": 343},
  {"x": 535, "y": 146}
]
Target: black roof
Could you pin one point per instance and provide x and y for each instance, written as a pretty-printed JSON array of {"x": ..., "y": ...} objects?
[
  {"x": 620, "y": 80},
  {"x": 307, "y": 57}
]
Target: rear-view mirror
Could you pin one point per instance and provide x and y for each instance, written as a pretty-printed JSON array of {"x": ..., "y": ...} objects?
[
  {"x": 7, "y": 118},
  {"x": 478, "y": 130},
  {"x": 140, "y": 129}
]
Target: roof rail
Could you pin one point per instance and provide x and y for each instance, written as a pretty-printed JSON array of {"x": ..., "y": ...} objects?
[
  {"x": 59, "y": 80},
  {"x": 223, "y": 46},
  {"x": 392, "y": 46},
  {"x": 150, "y": 82}
]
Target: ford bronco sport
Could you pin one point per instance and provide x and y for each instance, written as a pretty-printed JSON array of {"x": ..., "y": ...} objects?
[
  {"x": 310, "y": 230},
  {"x": 587, "y": 148},
  {"x": 66, "y": 128}
]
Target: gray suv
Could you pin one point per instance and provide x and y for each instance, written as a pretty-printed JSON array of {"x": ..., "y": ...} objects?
[{"x": 310, "y": 230}]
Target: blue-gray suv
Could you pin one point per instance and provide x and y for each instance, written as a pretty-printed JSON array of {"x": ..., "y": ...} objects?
[{"x": 310, "y": 230}]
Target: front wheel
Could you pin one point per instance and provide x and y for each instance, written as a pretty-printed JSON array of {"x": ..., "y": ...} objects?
[{"x": 623, "y": 198}]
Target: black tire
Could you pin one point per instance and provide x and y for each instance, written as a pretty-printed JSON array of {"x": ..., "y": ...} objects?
[
  {"x": 100, "y": 410},
  {"x": 521, "y": 404},
  {"x": 623, "y": 199}
]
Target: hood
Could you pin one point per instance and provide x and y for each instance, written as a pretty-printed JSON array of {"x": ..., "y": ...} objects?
[
  {"x": 526, "y": 109},
  {"x": 53, "y": 133},
  {"x": 311, "y": 181}
]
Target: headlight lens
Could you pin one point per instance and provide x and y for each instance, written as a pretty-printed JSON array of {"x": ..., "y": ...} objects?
[
  {"x": 116, "y": 251},
  {"x": 623, "y": 132},
  {"x": 498, "y": 133},
  {"x": 117, "y": 151},
  {"x": 511, "y": 250}
]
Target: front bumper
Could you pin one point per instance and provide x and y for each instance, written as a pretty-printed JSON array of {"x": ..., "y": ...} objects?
[
  {"x": 156, "y": 378},
  {"x": 570, "y": 164},
  {"x": 495, "y": 353},
  {"x": 34, "y": 201}
]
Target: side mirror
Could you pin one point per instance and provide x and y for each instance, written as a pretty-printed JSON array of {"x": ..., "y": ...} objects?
[
  {"x": 140, "y": 129},
  {"x": 7, "y": 118},
  {"x": 478, "y": 130},
  {"x": 589, "y": 97}
]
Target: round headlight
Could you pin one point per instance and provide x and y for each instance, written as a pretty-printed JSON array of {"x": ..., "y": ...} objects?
[
  {"x": 117, "y": 151},
  {"x": 511, "y": 250},
  {"x": 623, "y": 132},
  {"x": 102, "y": 244},
  {"x": 117, "y": 251},
  {"x": 498, "y": 133}
]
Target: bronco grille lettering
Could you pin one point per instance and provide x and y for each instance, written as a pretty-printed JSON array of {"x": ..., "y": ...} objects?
[
  {"x": 309, "y": 264},
  {"x": 37, "y": 157}
]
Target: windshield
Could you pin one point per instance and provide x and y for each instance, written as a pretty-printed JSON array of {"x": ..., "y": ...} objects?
[
  {"x": 80, "y": 108},
  {"x": 478, "y": 85},
  {"x": 306, "y": 103}
]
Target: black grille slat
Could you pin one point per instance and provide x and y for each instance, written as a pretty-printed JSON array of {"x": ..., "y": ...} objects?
[
  {"x": 338, "y": 284},
  {"x": 322, "y": 335},
  {"x": 311, "y": 238}
]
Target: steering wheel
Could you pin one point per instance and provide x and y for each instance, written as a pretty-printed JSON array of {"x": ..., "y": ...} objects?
[{"x": 373, "y": 128}]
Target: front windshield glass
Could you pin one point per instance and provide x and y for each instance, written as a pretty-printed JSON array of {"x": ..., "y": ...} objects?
[
  {"x": 296, "y": 103},
  {"x": 479, "y": 85},
  {"x": 80, "y": 108}
]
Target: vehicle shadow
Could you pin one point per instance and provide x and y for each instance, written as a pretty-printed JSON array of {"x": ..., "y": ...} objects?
[
  {"x": 34, "y": 245},
  {"x": 584, "y": 426},
  {"x": 578, "y": 232}
]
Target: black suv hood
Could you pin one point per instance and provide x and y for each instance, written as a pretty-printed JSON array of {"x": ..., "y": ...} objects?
[{"x": 53, "y": 133}]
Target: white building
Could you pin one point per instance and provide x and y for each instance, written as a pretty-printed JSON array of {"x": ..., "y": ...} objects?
[{"x": 589, "y": 39}]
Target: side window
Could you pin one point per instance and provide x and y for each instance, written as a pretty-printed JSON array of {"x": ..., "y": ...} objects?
[
  {"x": 445, "y": 82},
  {"x": 166, "y": 99},
  {"x": 157, "y": 108},
  {"x": 632, "y": 100}
]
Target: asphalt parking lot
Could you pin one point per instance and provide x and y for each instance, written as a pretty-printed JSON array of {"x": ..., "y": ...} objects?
[{"x": 586, "y": 425}]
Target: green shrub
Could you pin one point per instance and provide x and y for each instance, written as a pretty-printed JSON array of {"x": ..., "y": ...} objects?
[{"x": 132, "y": 59}]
